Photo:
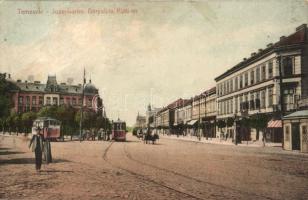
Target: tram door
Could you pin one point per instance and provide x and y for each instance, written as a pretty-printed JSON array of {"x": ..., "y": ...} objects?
[{"x": 295, "y": 136}]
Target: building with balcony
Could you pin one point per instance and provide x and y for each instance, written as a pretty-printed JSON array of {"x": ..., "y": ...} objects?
[{"x": 271, "y": 81}]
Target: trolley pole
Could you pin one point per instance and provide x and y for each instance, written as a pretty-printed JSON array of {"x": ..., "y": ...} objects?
[{"x": 81, "y": 108}]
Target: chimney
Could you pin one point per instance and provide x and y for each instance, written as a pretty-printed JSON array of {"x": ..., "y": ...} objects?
[
  {"x": 260, "y": 50},
  {"x": 269, "y": 45},
  {"x": 301, "y": 27},
  {"x": 9, "y": 76},
  {"x": 253, "y": 54},
  {"x": 30, "y": 78},
  {"x": 282, "y": 38},
  {"x": 70, "y": 81},
  {"x": 244, "y": 59}
]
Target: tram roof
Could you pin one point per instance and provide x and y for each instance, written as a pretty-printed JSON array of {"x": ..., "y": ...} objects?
[
  {"x": 46, "y": 119},
  {"x": 119, "y": 121}
]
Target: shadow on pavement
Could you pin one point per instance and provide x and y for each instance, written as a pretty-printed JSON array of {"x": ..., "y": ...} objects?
[
  {"x": 10, "y": 152},
  {"x": 56, "y": 171},
  {"x": 27, "y": 161},
  {"x": 133, "y": 141},
  {"x": 3, "y": 149}
]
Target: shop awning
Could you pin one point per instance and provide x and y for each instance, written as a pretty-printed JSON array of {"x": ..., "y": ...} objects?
[
  {"x": 274, "y": 124},
  {"x": 192, "y": 122}
]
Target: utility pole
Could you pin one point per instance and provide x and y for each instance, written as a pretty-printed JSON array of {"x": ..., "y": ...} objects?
[
  {"x": 81, "y": 107},
  {"x": 207, "y": 134},
  {"x": 199, "y": 122},
  {"x": 279, "y": 60}
]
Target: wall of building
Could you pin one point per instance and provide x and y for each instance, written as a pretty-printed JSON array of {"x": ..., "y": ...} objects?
[{"x": 287, "y": 131}]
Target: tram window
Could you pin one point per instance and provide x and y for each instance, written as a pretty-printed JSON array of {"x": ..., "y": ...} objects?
[{"x": 41, "y": 124}]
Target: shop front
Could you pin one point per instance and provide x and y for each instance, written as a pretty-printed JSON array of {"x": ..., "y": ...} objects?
[{"x": 295, "y": 130}]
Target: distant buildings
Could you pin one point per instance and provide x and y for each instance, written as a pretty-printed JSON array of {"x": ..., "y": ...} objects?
[
  {"x": 271, "y": 82},
  {"x": 140, "y": 122},
  {"x": 32, "y": 96}
]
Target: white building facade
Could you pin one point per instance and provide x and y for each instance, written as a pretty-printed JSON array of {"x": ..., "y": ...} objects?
[{"x": 255, "y": 85}]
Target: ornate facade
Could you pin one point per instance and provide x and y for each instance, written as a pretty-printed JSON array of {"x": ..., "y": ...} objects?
[{"x": 32, "y": 96}]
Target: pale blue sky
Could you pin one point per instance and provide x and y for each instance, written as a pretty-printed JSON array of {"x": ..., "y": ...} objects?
[{"x": 164, "y": 51}]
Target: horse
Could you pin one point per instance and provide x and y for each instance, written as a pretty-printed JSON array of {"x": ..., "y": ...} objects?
[{"x": 149, "y": 137}]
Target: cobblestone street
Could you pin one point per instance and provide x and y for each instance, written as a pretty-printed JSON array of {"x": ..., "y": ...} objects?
[{"x": 171, "y": 169}]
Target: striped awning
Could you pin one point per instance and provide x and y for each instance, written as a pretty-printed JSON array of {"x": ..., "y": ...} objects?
[{"x": 274, "y": 124}]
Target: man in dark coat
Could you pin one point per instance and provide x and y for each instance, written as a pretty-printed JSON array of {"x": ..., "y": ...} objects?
[{"x": 37, "y": 147}]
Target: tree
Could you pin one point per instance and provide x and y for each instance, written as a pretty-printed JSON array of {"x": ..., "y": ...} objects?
[
  {"x": 66, "y": 114},
  {"x": 259, "y": 122},
  {"x": 27, "y": 120},
  {"x": 230, "y": 122},
  {"x": 221, "y": 123},
  {"x": 88, "y": 120},
  {"x": 18, "y": 123},
  {"x": 9, "y": 123},
  {"x": 5, "y": 105},
  {"x": 4, "y": 99},
  {"x": 48, "y": 111}
]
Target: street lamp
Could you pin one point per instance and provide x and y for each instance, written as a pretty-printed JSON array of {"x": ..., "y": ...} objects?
[
  {"x": 235, "y": 129},
  {"x": 81, "y": 108}
]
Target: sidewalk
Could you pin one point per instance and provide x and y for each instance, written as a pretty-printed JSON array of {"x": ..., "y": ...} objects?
[{"x": 219, "y": 141}]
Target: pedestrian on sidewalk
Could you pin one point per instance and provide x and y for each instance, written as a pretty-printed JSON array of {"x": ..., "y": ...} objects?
[{"x": 37, "y": 147}]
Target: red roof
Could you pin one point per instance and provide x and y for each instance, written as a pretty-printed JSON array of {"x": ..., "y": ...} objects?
[{"x": 178, "y": 103}]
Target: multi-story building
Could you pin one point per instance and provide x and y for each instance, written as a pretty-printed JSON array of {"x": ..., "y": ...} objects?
[
  {"x": 179, "y": 115},
  {"x": 163, "y": 120},
  {"x": 209, "y": 118},
  {"x": 270, "y": 81},
  {"x": 151, "y": 115},
  {"x": 140, "y": 121},
  {"x": 32, "y": 96}
]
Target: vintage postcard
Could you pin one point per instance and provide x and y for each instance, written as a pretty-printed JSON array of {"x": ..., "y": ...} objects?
[{"x": 154, "y": 99}]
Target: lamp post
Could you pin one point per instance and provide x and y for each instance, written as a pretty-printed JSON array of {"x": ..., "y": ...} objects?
[
  {"x": 235, "y": 129},
  {"x": 207, "y": 134},
  {"x": 199, "y": 121},
  {"x": 279, "y": 61},
  {"x": 81, "y": 107}
]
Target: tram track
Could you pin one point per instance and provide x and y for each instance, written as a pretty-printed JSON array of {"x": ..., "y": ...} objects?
[
  {"x": 128, "y": 155},
  {"x": 145, "y": 178}
]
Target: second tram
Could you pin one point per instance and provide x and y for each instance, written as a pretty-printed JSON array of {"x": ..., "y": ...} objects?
[{"x": 119, "y": 130}]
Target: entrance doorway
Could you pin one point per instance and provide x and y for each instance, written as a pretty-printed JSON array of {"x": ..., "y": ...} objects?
[{"x": 295, "y": 136}]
